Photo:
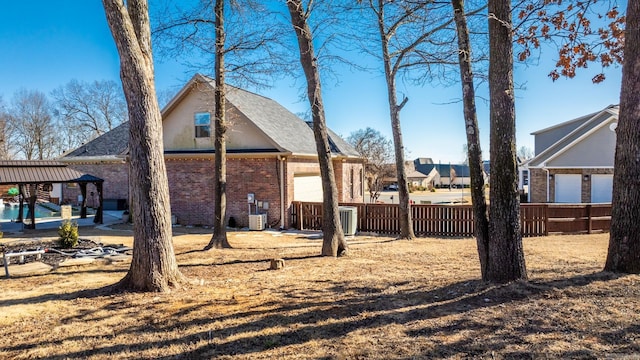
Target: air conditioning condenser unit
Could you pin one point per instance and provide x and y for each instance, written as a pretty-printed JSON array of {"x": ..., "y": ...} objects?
[
  {"x": 348, "y": 219},
  {"x": 257, "y": 221}
]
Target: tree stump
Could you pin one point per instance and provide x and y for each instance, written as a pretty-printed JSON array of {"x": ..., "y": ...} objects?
[{"x": 277, "y": 264}]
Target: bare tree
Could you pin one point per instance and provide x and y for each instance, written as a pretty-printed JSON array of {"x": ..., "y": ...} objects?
[
  {"x": 624, "y": 240},
  {"x": 219, "y": 238},
  {"x": 334, "y": 243},
  {"x": 525, "y": 153},
  {"x": 472, "y": 148},
  {"x": 154, "y": 266},
  {"x": 378, "y": 152},
  {"x": 414, "y": 37},
  {"x": 31, "y": 125},
  {"x": 253, "y": 48},
  {"x": 241, "y": 48},
  {"x": 505, "y": 253},
  {"x": 452, "y": 176},
  {"x": 90, "y": 109},
  {"x": 5, "y": 132}
]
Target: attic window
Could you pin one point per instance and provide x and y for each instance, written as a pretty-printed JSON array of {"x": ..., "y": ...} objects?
[{"x": 203, "y": 124}]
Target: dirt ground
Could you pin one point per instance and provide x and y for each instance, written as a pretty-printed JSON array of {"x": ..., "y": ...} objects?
[{"x": 388, "y": 299}]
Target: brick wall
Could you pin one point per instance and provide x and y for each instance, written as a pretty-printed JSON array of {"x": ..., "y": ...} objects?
[
  {"x": 349, "y": 181},
  {"x": 537, "y": 185},
  {"x": 191, "y": 186},
  {"x": 191, "y": 190},
  {"x": 259, "y": 176},
  {"x": 115, "y": 186},
  {"x": 538, "y": 181}
]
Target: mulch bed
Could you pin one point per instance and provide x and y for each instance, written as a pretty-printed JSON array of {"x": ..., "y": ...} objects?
[{"x": 50, "y": 258}]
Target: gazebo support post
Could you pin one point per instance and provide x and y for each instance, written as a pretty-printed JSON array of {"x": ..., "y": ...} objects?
[
  {"x": 83, "y": 202},
  {"x": 98, "y": 218},
  {"x": 20, "y": 203},
  {"x": 33, "y": 196}
]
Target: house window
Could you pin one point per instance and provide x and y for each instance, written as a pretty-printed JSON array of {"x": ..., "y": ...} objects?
[
  {"x": 203, "y": 124},
  {"x": 352, "y": 184}
]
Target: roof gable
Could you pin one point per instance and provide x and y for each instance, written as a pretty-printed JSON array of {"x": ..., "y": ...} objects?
[
  {"x": 573, "y": 141},
  {"x": 286, "y": 131},
  {"x": 283, "y": 131},
  {"x": 548, "y": 136},
  {"x": 112, "y": 143}
]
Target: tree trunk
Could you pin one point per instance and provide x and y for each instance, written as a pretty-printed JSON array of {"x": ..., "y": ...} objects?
[
  {"x": 154, "y": 266},
  {"x": 624, "y": 240},
  {"x": 506, "y": 258},
  {"x": 219, "y": 239},
  {"x": 406, "y": 223},
  {"x": 334, "y": 243},
  {"x": 474, "y": 151}
]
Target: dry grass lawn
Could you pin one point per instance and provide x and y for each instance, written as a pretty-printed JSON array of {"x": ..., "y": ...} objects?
[{"x": 387, "y": 300}]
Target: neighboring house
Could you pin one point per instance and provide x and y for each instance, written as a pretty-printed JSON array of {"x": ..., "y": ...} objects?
[
  {"x": 418, "y": 178},
  {"x": 486, "y": 167},
  {"x": 443, "y": 175},
  {"x": 271, "y": 158},
  {"x": 574, "y": 160}
]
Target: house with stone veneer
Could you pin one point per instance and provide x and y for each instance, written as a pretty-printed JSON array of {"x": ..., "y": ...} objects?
[
  {"x": 574, "y": 160},
  {"x": 271, "y": 154}
]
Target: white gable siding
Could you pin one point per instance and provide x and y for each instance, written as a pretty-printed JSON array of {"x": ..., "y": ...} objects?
[
  {"x": 179, "y": 128},
  {"x": 596, "y": 150}
]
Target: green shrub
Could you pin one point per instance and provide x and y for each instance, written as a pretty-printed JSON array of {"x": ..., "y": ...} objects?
[{"x": 68, "y": 233}]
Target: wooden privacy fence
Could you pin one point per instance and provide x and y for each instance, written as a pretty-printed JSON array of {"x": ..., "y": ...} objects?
[{"x": 457, "y": 220}]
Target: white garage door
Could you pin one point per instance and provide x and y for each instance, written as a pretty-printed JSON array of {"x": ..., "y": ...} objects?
[
  {"x": 307, "y": 188},
  {"x": 601, "y": 188},
  {"x": 568, "y": 188}
]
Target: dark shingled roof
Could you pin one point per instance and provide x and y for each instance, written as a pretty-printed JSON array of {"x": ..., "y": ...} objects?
[
  {"x": 285, "y": 129},
  {"x": 114, "y": 142},
  {"x": 40, "y": 171},
  {"x": 442, "y": 169}
]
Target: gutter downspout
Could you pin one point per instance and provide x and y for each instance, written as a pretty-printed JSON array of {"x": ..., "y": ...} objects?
[{"x": 282, "y": 162}]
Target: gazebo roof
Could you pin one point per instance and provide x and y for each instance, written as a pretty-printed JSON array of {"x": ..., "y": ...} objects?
[{"x": 41, "y": 171}]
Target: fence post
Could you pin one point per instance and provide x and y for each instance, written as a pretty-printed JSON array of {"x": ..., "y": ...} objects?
[
  {"x": 589, "y": 220},
  {"x": 546, "y": 219},
  {"x": 300, "y": 216}
]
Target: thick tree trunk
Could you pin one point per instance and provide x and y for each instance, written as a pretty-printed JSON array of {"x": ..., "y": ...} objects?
[
  {"x": 154, "y": 266},
  {"x": 474, "y": 151},
  {"x": 505, "y": 254},
  {"x": 624, "y": 240},
  {"x": 334, "y": 243},
  {"x": 404, "y": 206},
  {"x": 219, "y": 239}
]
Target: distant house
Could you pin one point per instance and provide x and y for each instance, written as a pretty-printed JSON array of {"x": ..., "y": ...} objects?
[
  {"x": 271, "y": 158},
  {"x": 574, "y": 160},
  {"x": 420, "y": 179},
  {"x": 443, "y": 175}
]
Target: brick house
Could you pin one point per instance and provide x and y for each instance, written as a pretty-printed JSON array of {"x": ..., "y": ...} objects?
[
  {"x": 271, "y": 154},
  {"x": 574, "y": 160}
]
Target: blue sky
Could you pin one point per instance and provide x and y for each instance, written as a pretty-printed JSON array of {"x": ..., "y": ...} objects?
[{"x": 45, "y": 44}]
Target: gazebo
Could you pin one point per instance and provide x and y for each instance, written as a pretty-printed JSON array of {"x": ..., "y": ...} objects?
[{"x": 31, "y": 175}]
